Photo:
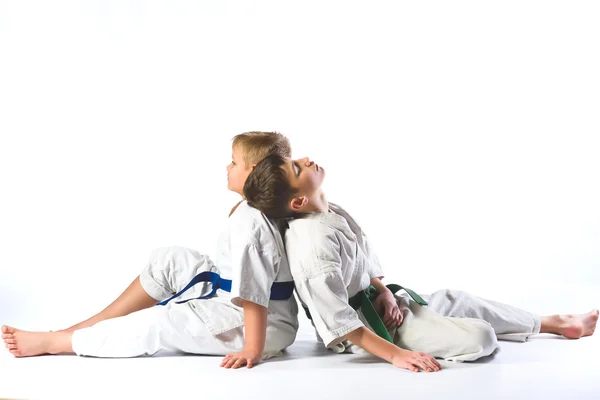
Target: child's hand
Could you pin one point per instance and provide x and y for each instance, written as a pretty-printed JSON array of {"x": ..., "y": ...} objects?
[
  {"x": 388, "y": 310},
  {"x": 415, "y": 361},
  {"x": 248, "y": 358}
]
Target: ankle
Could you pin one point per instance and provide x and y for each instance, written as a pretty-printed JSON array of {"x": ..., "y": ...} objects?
[
  {"x": 552, "y": 324},
  {"x": 60, "y": 342}
]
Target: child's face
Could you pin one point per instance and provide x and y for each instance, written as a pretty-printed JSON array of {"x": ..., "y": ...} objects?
[
  {"x": 237, "y": 172},
  {"x": 304, "y": 175}
]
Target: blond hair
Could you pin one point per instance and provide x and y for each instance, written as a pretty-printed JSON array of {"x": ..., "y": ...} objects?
[{"x": 257, "y": 145}]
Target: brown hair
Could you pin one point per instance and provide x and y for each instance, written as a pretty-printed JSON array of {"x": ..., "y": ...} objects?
[
  {"x": 257, "y": 145},
  {"x": 268, "y": 189}
]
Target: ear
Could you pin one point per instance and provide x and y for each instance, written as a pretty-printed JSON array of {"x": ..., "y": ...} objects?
[{"x": 297, "y": 203}]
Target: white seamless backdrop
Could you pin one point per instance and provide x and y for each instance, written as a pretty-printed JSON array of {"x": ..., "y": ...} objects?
[{"x": 464, "y": 136}]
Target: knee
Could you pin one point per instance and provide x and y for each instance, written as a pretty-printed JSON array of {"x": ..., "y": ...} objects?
[
  {"x": 486, "y": 338},
  {"x": 171, "y": 257},
  {"x": 454, "y": 293},
  {"x": 446, "y": 297},
  {"x": 162, "y": 266},
  {"x": 448, "y": 294}
]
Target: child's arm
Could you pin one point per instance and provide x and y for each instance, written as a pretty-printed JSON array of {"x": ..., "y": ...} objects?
[
  {"x": 314, "y": 254},
  {"x": 254, "y": 257},
  {"x": 255, "y": 320},
  {"x": 380, "y": 286},
  {"x": 411, "y": 360},
  {"x": 386, "y": 305}
]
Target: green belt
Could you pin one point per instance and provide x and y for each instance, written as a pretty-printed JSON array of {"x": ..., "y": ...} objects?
[{"x": 363, "y": 300}]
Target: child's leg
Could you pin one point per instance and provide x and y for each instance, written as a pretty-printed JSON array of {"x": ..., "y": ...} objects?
[
  {"x": 509, "y": 323},
  {"x": 24, "y": 344},
  {"x": 134, "y": 298},
  {"x": 571, "y": 326},
  {"x": 455, "y": 339},
  {"x": 175, "y": 327},
  {"x": 169, "y": 270}
]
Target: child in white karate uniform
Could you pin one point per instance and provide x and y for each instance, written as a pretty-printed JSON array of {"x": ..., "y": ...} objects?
[
  {"x": 337, "y": 274},
  {"x": 248, "y": 313}
]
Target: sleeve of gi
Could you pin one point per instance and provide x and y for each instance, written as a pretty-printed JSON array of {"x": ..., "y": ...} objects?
[
  {"x": 373, "y": 264},
  {"x": 316, "y": 267},
  {"x": 253, "y": 264}
]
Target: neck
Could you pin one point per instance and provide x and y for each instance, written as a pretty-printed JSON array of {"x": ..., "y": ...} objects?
[{"x": 318, "y": 202}]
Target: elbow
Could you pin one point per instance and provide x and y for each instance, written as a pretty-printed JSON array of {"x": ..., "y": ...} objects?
[{"x": 356, "y": 335}]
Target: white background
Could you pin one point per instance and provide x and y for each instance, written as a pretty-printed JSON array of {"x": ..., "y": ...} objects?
[{"x": 464, "y": 136}]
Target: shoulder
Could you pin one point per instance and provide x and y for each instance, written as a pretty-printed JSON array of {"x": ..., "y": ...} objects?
[
  {"x": 244, "y": 213},
  {"x": 311, "y": 233},
  {"x": 339, "y": 210},
  {"x": 317, "y": 223},
  {"x": 351, "y": 221},
  {"x": 313, "y": 247},
  {"x": 249, "y": 222}
]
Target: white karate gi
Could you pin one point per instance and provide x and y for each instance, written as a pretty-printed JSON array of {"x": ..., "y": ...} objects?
[
  {"x": 250, "y": 253},
  {"x": 509, "y": 323},
  {"x": 331, "y": 261}
]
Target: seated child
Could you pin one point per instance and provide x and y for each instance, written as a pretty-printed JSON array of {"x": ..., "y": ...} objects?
[
  {"x": 337, "y": 274},
  {"x": 248, "y": 313}
]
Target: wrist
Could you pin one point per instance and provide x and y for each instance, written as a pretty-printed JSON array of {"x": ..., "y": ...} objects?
[
  {"x": 252, "y": 349},
  {"x": 398, "y": 354}
]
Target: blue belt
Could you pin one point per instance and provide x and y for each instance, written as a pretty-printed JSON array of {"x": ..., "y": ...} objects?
[{"x": 279, "y": 290}]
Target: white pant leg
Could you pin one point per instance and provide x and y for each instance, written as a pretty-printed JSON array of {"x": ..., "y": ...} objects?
[
  {"x": 170, "y": 269},
  {"x": 454, "y": 339},
  {"x": 174, "y": 327},
  {"x": 509, "y": 323}
]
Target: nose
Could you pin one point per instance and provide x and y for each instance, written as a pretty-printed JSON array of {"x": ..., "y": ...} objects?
[{"x": 306, "y": 161}]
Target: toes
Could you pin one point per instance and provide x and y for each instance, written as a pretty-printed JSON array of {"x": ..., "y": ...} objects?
[
  {"x": 10, "y": 340},
  {"x": 15, "y": 353},
  {"x": 11, "y": 346},
  {"x": 8, "y": 329},
  {"x": 7, "y": 336}
]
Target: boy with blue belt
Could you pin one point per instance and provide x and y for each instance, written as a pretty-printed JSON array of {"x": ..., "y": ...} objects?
[{"x": 241, "y": 306}]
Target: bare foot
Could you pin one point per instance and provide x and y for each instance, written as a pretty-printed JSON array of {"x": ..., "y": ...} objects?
[
  {"x": 26, "y": 344},
  {"x": 572, "y": 326}
]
